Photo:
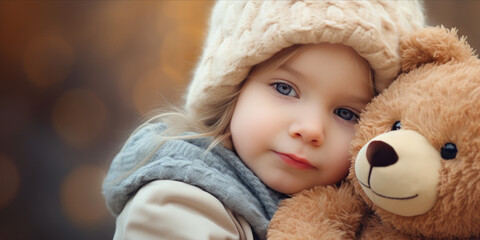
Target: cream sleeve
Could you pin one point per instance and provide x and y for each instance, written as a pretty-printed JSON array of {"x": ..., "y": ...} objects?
[{"x": 166, "y": 209}]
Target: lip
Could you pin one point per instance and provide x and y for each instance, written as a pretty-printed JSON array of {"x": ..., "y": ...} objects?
[{"x": 295, "y": 161}]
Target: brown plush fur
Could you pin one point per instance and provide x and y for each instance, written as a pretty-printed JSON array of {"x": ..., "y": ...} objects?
[{"x": 439, "y": 98}]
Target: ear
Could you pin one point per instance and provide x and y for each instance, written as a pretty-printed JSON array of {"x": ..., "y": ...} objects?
[{"x": 433, "y": 45}]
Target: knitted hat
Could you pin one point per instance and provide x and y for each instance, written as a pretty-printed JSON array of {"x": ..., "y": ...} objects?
[{"x": 245, "y": 33}]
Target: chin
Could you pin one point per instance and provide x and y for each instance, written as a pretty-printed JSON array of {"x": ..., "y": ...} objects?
[{"x": 280, "y": 186}]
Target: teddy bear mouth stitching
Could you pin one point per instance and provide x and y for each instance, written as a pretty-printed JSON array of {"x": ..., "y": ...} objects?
[
  {"x": 381, "y": 195},
  {"x": 381, "y": 154}
]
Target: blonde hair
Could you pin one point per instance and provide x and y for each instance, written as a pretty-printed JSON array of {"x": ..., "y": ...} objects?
[{"x": 214, "y": 122}]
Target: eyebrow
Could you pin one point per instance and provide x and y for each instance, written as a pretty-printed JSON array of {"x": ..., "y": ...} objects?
[
  {"x": 361, "y": 99},
  {"x": 355, "y": 98},
  {"x": 292, "y": 71}
]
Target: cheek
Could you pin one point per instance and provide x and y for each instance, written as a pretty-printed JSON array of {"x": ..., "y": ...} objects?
[
  {"x": 243, "y": 126},
  {"x": 253, "y": 115},
  {"x": 340, "y": 159},
  {"x": 342, "y": 146},
  {"x": 342, "y": 169},
  {"x": 249, "y": 125}
]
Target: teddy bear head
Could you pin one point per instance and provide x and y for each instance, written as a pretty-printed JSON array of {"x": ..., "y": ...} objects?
[{"x": 417, "y": 152}]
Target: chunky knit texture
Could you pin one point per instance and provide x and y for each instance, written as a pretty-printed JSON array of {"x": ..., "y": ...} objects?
[
  {"x": 244, "y": 33},
  {"x": 219, "y": 172}
]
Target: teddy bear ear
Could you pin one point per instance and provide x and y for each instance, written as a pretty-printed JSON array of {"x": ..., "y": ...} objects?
[{"x": 433, "y": 45}]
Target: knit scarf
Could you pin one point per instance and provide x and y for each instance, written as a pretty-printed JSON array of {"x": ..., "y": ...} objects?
[{"x": 218, "y": 171}]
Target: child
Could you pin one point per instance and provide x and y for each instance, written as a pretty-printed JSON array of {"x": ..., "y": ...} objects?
[{"x": 270, "y": 111}]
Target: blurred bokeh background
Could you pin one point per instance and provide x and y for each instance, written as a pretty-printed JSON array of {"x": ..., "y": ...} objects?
[{"x": 77, "y": 77}]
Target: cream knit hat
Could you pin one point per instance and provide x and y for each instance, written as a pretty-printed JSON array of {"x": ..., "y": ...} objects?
[{"x": 245, "y": 33}]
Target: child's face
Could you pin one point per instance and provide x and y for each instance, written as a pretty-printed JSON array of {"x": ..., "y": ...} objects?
[{"x": 293, "y": 125}]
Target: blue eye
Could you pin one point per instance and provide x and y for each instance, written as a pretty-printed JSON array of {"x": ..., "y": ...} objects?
[
  {"x": 285, "y": 89},
  {"x": 346, "y": 114}
]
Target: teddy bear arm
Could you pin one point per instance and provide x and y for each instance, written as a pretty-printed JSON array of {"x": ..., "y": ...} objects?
[
  {"x": 374, "y": 229},
  {"x": 323, "y": 212}
]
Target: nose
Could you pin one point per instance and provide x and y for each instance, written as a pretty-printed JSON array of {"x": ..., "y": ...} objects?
[
  {"x": 381, "y": 154},
  {"x": 309, "y": 130}
]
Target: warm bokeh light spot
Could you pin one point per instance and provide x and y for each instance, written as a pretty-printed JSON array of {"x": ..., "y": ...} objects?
[
  {"x": 153, "y": 91},
  {"x": 179, "y": 52},
  {"x": 181, "y": 46},
  {"x": 160, "y": 76},
  {"x": 9, "y": 181},
  {"x": 79, "y": 117},
  {"x": 47, "y": 60},
  {"x": 189, "y": 15},
  {"x": 19, "y": 20},
  {"x": 115, "y": 23},
  {"x": 81, "y": 197}
]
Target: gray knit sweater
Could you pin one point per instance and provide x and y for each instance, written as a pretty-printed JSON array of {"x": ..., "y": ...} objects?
[{"x": 219, "y": 172}]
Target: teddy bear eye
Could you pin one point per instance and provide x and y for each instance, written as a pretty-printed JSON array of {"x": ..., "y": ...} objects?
[
  {"x": 397, "y": 125},
  {"x": 449, "y": 151}
]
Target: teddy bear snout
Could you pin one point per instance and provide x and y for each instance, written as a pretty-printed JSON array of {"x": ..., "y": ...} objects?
[
  {"x": 399, "y": 172},
  {"x": 381, "y": 154}
]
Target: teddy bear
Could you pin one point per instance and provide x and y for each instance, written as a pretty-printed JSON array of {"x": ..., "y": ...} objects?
[{"x": 415, "y": 170}]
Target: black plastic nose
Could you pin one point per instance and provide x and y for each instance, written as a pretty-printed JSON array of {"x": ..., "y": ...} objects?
[{"x": 381, "y": 154}]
